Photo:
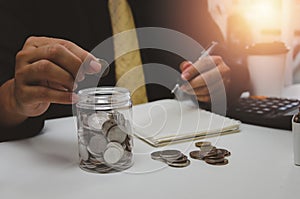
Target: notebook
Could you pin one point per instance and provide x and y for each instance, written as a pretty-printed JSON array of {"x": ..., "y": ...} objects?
[{"x": 170, "y": 121}]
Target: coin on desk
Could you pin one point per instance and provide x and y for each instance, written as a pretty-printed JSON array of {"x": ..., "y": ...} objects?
[
  {"x": 200, "y": 155},
  {"x": 210, "y": 154},
  {"x": 173, "y": 158},
  {"x": 202, "y": 144},
  {"x": 225, "y": 152},
  {"x": 182, "y": 159},
  {"x": 156, "y": 155},
  {"x": 170, "y": 154},
  {"x": 179, "y": 164},
  {"x": 217, "y": 163}
]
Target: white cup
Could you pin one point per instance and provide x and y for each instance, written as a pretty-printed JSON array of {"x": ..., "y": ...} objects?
[
  {"x": 266, "y": 64},
  {"x": 296, "y": 140}
]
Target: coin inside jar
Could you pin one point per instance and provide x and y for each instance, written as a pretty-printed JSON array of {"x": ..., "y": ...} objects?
[
  {"x": 113, "y": 153},
  {"x": 84, "y": 154},
  {"x": 107, "y": 125},
  {"x": 115, "y": 134},
  {"x": 97, "y": 145},
  {"x": 96, "y": 120},
  {"x": 102, "y": 114}
]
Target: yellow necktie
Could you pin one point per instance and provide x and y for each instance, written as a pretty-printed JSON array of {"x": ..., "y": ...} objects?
[{"x": 129, "y": 70}]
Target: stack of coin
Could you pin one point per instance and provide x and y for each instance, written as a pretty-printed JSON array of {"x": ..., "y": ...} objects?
[
  {"x": 105, "y": 141},
  {"x": 173, "y": 158},
  {"x": 210, "y": 154}
]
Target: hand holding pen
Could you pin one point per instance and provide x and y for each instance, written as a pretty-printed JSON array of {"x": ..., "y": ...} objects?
[{"x": 206, "y": 77}]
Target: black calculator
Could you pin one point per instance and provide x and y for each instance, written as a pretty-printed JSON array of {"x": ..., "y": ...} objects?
[{"x": 265, "y": 111}]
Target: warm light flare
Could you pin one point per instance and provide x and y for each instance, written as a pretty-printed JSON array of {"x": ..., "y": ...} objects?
[{"x": 264, "y": 13}]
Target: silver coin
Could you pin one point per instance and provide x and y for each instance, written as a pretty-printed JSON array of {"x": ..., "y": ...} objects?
[
  {"x": 96, "y": 120},
  {"x": 100, "y": 159},
  {"x": 84, "y": 119},
  {"x": 84, "y": 154},
  {"x": 183, "y": 159},
  {"x": 170, "y": 154},
  {"x": 115, "y": 134},
  {"x": 94, "y": 161},
  {"x": 103, "y": 169},
  {"x": 125, "y": 161},
  {"x": 127, "y": 128},
  {"x": 108, "y": 124},
  {"x": 156, "y": 155},
  {"x": 113, "y": 153},
  {"x": 128, "y": 143},
  {"x": 179, "y": 165},
  {"x": 90, "y": 166},
  {"x": 97, "y": 145},
  {"x": 83, "y": 137},
  {"x": 119, "y": 118}
]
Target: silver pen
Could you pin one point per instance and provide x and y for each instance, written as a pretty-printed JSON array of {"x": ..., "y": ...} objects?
[{"x": 204, "y": 53}]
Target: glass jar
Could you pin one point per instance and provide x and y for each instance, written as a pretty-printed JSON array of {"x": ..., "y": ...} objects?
[{"x": 104, "y": 123}]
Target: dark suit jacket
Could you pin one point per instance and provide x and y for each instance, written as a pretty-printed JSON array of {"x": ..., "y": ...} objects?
[{"x": 87, "y": 23}]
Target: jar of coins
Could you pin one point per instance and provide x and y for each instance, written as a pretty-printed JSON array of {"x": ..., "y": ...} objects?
[{"x": 104, "y": 123}]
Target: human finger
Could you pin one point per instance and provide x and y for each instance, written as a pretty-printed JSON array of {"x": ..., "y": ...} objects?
[
  {"x": 37, "y": 42},
  {"x": 202, "y": 65},
  {"x": 205, "y": 90},
  {"x": 184, "y": 65},
  {"x": 44, "y": 70},
  {"x": 41, "y": 94}
]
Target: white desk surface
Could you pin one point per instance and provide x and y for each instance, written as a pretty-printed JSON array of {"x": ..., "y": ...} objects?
[{"x": 46, "y": 166}]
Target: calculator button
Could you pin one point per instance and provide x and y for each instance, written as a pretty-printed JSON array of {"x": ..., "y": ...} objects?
[
  {"x": 259, "y": 112},
  {"x": 282, "y": 109},
  {"x": 263, "y": 106},
  {"x": 289, "y": 106},
  {"x": 266, "y": 110},
  {"x": 249, "y": 111},
  {"x": 274, "y": 107},
  {"x": 255, "y": 108}
]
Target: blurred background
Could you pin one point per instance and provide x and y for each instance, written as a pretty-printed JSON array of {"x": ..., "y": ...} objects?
[{"x": 244, "y": 22}]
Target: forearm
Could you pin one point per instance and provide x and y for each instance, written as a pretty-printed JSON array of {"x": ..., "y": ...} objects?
[{"x": 9, "y": 117}]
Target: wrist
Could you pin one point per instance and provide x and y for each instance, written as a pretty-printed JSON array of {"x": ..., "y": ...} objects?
[{"x": 11, "y": 115}]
